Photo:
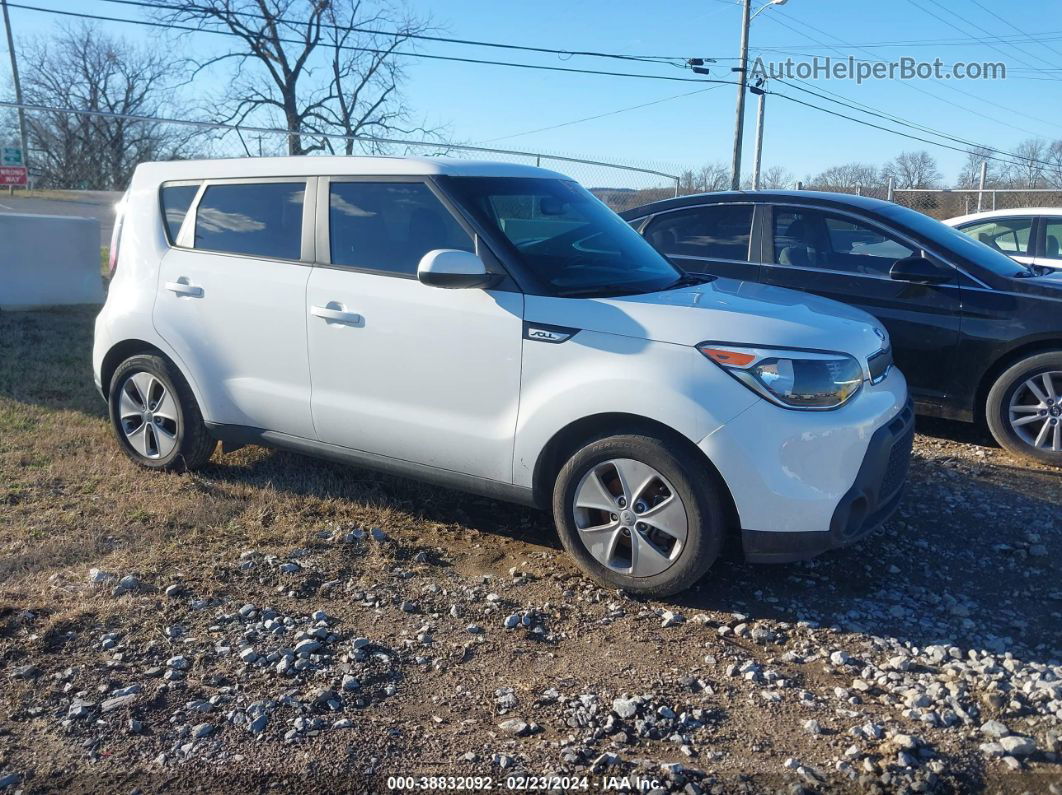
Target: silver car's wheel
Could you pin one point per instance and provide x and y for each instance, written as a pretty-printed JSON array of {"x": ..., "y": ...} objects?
[
  {"x": 148, "y": 414},
  {"x": 630, "y": 518},
  {"x": 1035, "y": 411}
]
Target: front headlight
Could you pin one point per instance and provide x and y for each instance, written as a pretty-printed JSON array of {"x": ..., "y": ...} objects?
[{"x": 794, "y": 379}]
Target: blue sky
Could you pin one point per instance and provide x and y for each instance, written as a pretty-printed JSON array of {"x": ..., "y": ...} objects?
[{"x": 485, "y": 103}]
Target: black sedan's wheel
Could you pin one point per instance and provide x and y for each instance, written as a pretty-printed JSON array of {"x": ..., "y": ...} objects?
[
  {"x": 1024, "y": 408},
  {"x": 155, "y": 417},
  {"x": 639, "y": 514}
]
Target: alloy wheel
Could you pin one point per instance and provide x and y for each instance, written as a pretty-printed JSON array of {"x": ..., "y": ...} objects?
[
  {"x": 148, "y": 414},
  {"x": 1035, "y": 411},
  {"x": 630, "y": 518}
]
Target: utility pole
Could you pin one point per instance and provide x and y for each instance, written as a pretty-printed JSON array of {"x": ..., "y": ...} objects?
[
  {"x": 739, "y": 121},
  {"x": 762, "y": 91},
  {"x": 18, "y": 86},
  {"x": 981, "y": 185}
]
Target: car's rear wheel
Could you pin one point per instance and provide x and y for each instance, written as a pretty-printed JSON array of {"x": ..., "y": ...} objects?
[
  {"x": 1024, "y": 409},
  {"x": 639, "y": 514},
  {"x": 155, "y": 417}
]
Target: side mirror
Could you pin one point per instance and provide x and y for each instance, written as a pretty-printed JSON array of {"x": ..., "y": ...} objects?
[
  {"x": 919, "y": 270},
  {"x": 453, "y": 269}
]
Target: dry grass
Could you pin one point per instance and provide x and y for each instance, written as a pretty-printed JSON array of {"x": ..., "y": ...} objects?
[{"x": 70, "y": 500}]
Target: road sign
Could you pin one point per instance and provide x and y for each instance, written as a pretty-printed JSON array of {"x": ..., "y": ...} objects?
[
  {"x": 14, "y": 175},
  {"x": 11, "y": 156}
]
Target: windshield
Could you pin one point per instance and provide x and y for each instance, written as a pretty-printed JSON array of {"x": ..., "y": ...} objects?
[
  {"x": 565, "y": 236},
  {"x": 954, "y": 240}
]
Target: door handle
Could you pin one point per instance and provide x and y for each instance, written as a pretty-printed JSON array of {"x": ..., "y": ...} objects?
[
  {"x": 337, "y": 315},
  {"x": 183, "y": 288}
]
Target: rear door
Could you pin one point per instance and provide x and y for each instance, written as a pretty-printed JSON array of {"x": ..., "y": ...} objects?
[
  {"x": 1049, "y": 252},
  {"x": 848, "y": 258},
  {"x": 1012, "y": 235},
  {"x": 708, "y": 238},
  {"x": 231, "y": 298},
  {"x": 411, "y": 372}
]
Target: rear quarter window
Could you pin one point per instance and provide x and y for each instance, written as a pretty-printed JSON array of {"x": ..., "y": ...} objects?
[
  {"x": 175, "y": 200},
  {"x": 261, "y": 219}
]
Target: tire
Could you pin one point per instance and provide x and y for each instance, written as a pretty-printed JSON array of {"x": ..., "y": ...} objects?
[
  {"x": 1031, "y": 389},
  {"x": 167, "y": 432},
  {"x": 604, "y": 548}
]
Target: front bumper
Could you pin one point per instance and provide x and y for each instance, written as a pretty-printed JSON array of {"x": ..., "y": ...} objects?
[{"x": 871, "y": 500}]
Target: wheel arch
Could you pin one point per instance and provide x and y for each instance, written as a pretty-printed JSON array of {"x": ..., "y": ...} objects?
[
  {"x": 1004, "y": 362},
  {"x": 123, "y": 350},
  {"x": 566, "y": 441}
]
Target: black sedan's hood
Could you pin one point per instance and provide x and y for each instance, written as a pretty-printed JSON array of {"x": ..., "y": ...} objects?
[{"x": 1048, "y": 285}]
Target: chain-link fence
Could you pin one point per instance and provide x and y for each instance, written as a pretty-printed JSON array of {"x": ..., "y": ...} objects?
[
  {"x": 949, "y": 203},
  {"x": 621, "y": 185}
]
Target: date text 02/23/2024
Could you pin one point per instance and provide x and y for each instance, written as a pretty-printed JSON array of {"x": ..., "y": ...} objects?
[{"x": 521, "y": 783}]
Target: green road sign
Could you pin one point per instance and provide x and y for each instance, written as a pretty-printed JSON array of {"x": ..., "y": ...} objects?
[{"x": 10, "y": 156}]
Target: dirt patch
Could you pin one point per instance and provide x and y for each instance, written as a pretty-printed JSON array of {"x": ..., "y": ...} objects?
[{"x": 245, "y": 628}]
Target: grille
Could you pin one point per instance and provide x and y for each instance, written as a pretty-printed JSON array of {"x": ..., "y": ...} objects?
[
  {"x": 899, "y": 461},
  {"x": 879, "y": 365}
]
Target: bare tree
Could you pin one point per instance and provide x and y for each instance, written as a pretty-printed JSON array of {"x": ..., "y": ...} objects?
[
  {"x": 1053, "y": 172},
  {"x": 912, "y": 170},
  {"x": 282, "y": 50},
  {"x": 773, "y": 178},
  {"x": 847, "y": 178},
  {"x": 1028, "y": 168},
  {"x": 970, "y": 175},
  {"x": 710, "y": 177},
  {"x": 83, "y": 69}
]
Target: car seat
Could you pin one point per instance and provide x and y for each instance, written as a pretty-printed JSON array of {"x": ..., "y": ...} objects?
[{"x": 802, "y": 251}]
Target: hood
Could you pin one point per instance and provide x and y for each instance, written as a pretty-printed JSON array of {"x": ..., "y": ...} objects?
[{"x": 723, "y": 310}]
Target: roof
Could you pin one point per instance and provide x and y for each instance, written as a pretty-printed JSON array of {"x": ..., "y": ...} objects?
[
  {"x": 1016, "y": 212},
  {"x": 309, "y": 165},
  {"x": 823, "y": 197}
]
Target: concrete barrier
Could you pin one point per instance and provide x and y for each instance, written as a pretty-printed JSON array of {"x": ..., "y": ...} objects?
[{"x": 48, "y": 260}]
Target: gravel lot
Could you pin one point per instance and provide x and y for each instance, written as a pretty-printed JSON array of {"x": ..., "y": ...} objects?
[{"x": 275, "y": 622}]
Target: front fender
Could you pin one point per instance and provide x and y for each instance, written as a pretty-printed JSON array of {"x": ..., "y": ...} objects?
[{"x": 595, "y": 373}]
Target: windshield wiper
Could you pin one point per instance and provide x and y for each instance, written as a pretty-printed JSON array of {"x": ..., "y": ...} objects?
[
  {"x": 688, "y": 280},
  {"x": 599, "y": 292}
]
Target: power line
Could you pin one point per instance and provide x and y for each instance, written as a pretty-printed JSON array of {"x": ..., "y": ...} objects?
[
  {"x": 1010, "y": 24},
  {"x": 668, "y": 59},
  {"x": 600, "y": 115},
  {"x": 915, "y": 87},
  {"x": 954, "y": 26},
  {"x": 310, "y": 134},
  {"x": 894, "y": 132},
  {"x": 1054, "y": 35},
  {"x": 905, "y": 123},
  {"x": 405, "y": 54}
]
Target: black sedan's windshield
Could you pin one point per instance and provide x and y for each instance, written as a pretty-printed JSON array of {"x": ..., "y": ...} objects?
[
  {"x": 566, "y": 237},
  {"x": 987, "y": 257}
]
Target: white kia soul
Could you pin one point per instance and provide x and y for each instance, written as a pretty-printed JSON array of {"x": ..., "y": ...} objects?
[{"x": 496, "y": 329}]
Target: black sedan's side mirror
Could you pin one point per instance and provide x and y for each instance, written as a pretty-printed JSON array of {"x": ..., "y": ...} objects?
[{"x": 919, "y": 270}]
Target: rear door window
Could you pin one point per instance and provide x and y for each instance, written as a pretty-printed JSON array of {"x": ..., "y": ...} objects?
[
  {"x": 712, "y": 231},
  {"x": 389, "y": 226},
  {"x": 176, "y": 199},
  {"x": 1009, "y": 235},
  {"x": 261, "y": 219},
  {"x": 1053, "y": 238}
]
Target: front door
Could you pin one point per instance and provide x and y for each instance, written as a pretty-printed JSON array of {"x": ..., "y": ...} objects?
[
  {"x": 848, "y": 259},
  {"x": 400, "y": 369},
  {"x": 231, "y": 303}
]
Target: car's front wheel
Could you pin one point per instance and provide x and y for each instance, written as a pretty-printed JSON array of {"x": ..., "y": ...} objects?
[
  {"x": 155, "y": 416},
  {"x": 639, "y": 514},
  {"x": 1024, "y": 408}
]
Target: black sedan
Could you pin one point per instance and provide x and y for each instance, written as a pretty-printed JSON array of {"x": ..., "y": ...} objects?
[{"x": 978, "y": 335}]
